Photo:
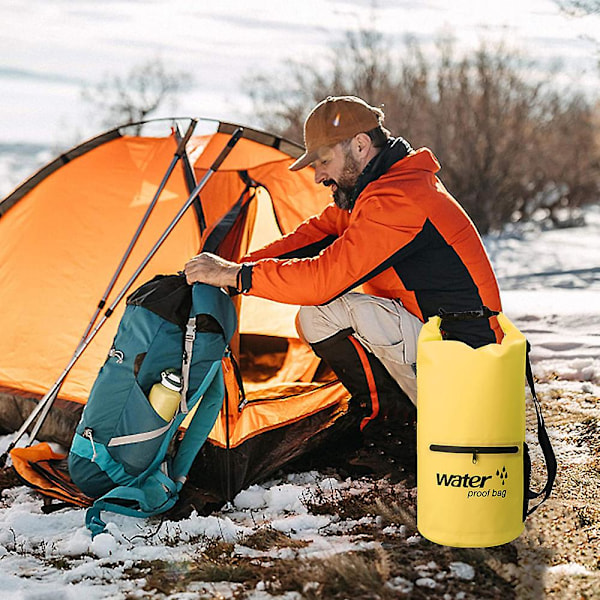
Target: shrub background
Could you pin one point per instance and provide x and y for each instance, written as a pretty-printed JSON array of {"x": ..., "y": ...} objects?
[{"x": 512, "y": 141}]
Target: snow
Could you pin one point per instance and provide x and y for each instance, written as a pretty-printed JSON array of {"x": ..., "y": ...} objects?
[
  {"x": 568, "y": 569},
  {"x": 63, "y": 47},
  {"x": 550, "y": 281},
  {"x": 462, "y": 570},
  {"x": 400, "y": 585},
  {"x": 426, "y": 582}
]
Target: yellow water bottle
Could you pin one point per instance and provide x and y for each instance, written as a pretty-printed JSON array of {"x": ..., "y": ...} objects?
[{"x": 165, "y": 395}]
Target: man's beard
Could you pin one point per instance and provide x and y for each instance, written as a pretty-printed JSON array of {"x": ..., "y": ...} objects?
[{"x": 342, "y": 196}]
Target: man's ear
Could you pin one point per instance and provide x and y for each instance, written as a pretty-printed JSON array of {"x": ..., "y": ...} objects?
[
  {"x": 361, "y": 146},
  {"x": 362, "y": 142}
]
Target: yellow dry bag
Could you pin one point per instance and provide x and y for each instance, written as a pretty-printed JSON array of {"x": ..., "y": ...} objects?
[{"x": 472, "y": 461}]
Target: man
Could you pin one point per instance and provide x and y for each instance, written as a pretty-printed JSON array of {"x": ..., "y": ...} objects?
[{"x": 393, "y": 230}]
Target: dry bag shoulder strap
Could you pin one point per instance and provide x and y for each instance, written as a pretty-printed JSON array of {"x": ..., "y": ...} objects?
[{"x": 544, "y": 442}]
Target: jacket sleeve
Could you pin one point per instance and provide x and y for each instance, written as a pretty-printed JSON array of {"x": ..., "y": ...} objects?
[
  {"x": 373, "y": 239},
  {"x": 308, "y": 239}
]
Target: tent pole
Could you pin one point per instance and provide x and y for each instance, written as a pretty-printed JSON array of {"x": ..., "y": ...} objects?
[
  {"x": 177, "y": 156},
  {"x": 179, "y": 153},
  {"x": 48, "y": 399}
]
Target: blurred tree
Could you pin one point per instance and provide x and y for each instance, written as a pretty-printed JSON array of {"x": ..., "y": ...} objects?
[
  {"x": 132, "y": 98},
  {"x": 579, "y": 7},
  {"x": 359, "y": 65},
  {"x": 506, "y": 138}
]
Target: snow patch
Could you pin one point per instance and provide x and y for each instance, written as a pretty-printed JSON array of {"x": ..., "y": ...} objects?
[
  {"x": 462, "y": 570},
  {"x": 569, "y": 569}
]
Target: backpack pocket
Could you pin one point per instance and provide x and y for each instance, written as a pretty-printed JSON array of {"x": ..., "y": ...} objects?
[{"x": 139, "y": 433}]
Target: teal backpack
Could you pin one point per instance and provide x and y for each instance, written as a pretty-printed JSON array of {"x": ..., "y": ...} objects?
[{"x": 124, "y": 453}]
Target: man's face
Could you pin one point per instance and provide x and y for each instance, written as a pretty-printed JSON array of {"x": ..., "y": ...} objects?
[{"x": 337, "y": 168}]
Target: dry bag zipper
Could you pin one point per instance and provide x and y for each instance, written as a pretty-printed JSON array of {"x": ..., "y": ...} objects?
[{"x": 474, "y": 450}]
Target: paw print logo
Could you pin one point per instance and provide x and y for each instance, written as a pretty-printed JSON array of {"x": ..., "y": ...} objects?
[{"x": 502, "y": 474}]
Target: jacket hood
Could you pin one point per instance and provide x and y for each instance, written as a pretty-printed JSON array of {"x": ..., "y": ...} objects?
[
  {"x": 396, "y": 155},
  {"x": 422, "y": 159},
  {"x": 395, "y": 150}
]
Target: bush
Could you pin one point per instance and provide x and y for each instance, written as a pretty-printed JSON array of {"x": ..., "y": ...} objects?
[{"x": 510, "y": 144}]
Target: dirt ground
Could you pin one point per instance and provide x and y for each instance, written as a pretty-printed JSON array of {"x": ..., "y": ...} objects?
[
  {"x": 556, "y": 557},
  {"x": 559, "y": 552}
]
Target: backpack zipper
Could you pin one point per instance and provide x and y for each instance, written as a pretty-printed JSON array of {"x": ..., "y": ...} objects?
[
  {"x": 118, "y": 354},
  {"x": 474, "y": 450},
  {"x": 88, "y": 434}
]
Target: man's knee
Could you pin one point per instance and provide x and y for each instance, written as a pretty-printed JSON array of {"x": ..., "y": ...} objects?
[
  {"x": 304, "y": 320},
  {"x": 317, "y": 323}
]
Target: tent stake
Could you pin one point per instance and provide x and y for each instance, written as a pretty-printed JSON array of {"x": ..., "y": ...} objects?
[{"x": 46, "y": 402}]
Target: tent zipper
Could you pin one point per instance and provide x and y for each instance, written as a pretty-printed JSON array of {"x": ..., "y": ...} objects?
[
  {"x": 246, "y": 402},
  {"x": 474, "y": 450}
]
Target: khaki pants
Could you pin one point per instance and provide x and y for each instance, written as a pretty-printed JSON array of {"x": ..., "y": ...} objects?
[{"x": 383, "y": 326}]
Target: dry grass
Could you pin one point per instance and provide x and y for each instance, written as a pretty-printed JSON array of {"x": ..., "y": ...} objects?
[
  {"x": 265, "y": 538},
  {"x": 559, "y": 555},
  {"x": 356, "y": 575}
]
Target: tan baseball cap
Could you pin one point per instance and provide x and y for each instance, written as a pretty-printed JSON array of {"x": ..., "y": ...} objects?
[{"x": 333, "y": 120}]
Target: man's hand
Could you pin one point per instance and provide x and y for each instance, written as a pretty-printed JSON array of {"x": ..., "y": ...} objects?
[{"x": 212, "y": 269}]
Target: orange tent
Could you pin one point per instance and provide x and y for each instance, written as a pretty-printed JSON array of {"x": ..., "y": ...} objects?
[{"x": 64, "y": 231}]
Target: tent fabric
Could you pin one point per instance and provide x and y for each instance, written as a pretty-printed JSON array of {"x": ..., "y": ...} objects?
[
  {"x": 259, "y": 431},
  {"x": 61, "y": 243},
  {"x": 223, "y": 472},
  {"x": 16, "y": 406},
  {"x": 57, "y": 163},
  {"x": 64, "y": 232},
  {"x": 43, "y": 469}
]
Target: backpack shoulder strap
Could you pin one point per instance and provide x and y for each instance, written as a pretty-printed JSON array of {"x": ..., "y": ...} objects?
[
  {"x": 544, "y": 441},
  {"x": 156, "y": 494},
  {"x": 210, "y": 396},
  {"x": 190, "y": 336}
]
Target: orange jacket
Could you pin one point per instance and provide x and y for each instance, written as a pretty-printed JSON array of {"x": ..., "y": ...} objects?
[{"x": 405, "y": 238}]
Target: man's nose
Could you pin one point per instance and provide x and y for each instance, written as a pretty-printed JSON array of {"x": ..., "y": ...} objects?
[{"x": 320, "y": 176}]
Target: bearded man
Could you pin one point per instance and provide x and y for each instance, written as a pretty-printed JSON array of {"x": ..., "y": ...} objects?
[{"x": 393, "y": 249}]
